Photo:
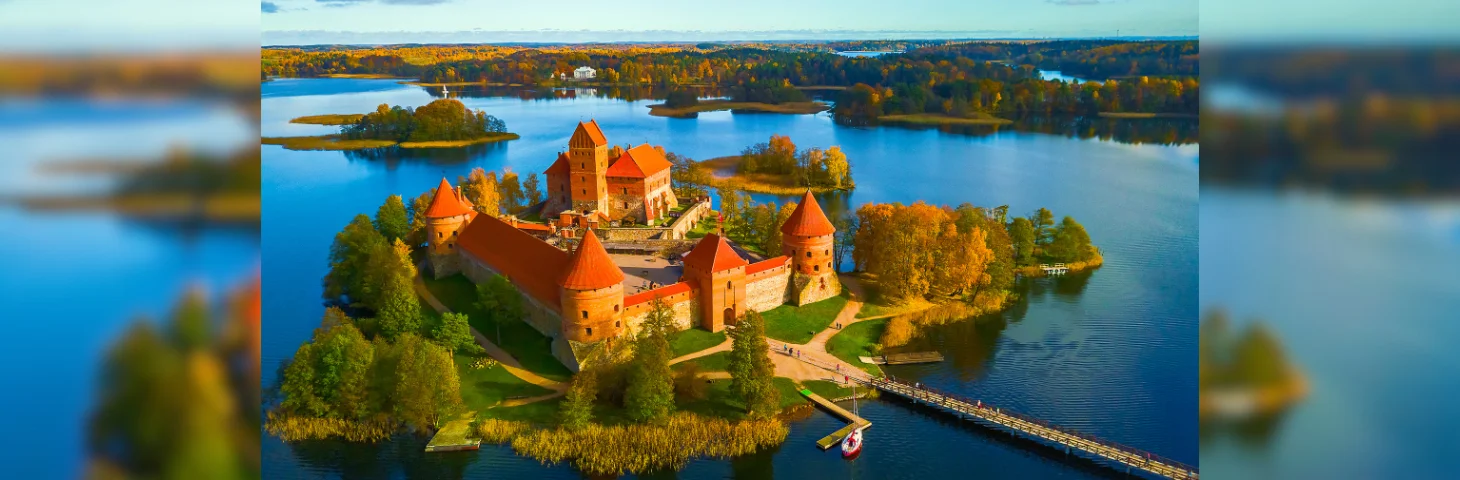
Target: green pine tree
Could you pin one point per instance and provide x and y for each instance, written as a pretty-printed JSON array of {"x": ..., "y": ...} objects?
[
  {"x": 650, "y": 395},
  {"x": 751, "y": 371}
]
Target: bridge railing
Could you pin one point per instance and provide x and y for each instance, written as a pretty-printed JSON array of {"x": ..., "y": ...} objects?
[{"x": 1074, "y": 433}]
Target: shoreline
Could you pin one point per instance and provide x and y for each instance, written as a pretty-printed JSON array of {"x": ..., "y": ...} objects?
[
  {"x": 335, "y": 142},
  {"x": 1137, "y": 115},
  {"x": 333, "y": 119},
  {"x": 942, "y": 119},
  {"x": 756, "y": 182},
  {"x": 1033, "y": 271},
  {"x": 660, "y": 110}
]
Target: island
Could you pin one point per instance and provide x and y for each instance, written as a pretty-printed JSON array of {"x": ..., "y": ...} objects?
[
  {"x": 754, "y": 97},
  {"x": 443, "y": 123},
  {"x": 775, "y": 167},
  {"x": 1244, "y": 375},
  {"x": 182, "y": 186},
  {"x": 492, "y": 311}
]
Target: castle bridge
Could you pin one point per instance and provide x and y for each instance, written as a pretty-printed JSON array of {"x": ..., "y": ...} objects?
[{"x": 1110, "y": 454}]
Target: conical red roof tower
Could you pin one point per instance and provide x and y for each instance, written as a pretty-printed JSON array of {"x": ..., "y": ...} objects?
[
  {"x": 447, "y": 202},
  {"x": 591, "y": 268},
  {"x": 808, "y": 220}
]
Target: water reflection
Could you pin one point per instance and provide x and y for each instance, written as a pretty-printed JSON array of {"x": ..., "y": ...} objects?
[{"x": 392, "y": 157}]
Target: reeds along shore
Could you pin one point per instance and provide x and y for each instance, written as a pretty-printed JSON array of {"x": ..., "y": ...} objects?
[
  {"x": 294, "y": 428},
  {"x": 620, "y": 449}
]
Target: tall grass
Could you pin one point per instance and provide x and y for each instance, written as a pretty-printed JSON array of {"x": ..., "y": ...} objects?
[
  {"x": 638, "y": 448},
  {"x": 498, "y": 432},
  {"x": 292, "y": 428}
]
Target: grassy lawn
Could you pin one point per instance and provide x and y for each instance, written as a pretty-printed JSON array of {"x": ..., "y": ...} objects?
[
  {"x": 519, "y": 339},
  {"x": 715, "y": 362},
  {"x": 719, "y": 402},
  {"x": 482, "y": 388},
  {"x": 693, "y": 340},
  {"x": 794, "y": 324},
  {"x": 856, "y": 340},
  {"x": 540, "y": 413},
  {"x": 706, "y": 226},
  {"x": 827, "y": 389}
]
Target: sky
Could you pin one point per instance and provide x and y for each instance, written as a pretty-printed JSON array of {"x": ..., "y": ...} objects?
[{"x": 395, "y": 21}]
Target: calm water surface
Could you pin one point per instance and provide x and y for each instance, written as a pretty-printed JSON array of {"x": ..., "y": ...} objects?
[
  {"x": 73, "y": 282},
  {"x": 1109, "y": 352}
]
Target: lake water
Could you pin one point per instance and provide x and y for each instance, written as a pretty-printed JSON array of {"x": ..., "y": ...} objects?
[
  {"x": 1109, "y": 352},
  {"x": 74, "y": 282}
]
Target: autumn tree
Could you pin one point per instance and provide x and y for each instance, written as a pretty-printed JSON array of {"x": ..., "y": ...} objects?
[
  {"x": 509, "y": 192},
  {"x": 419, "y": 204},
  {"x": 576, "y": 411},
  {"x": 838, "y": 171},
  {"x": 480, "y": 187},
  {"x": 532, "y": 188},
  {"x": 427, "y": 390},
  {"x": 1070, "y": 243}
]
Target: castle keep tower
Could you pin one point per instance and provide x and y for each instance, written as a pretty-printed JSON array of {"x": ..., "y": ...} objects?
[
  {"x": 720, "y": 273},
  {"x": 807, "y": 238},
  {"x": 445, "y": 218},
  {"x": 593, "y": 293},
  {"x": 587, "y": 164}
]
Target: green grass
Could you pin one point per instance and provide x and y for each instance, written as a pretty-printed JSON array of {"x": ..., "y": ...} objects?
[
  {"x": 693, "y": 340},
  {"x": 715, "y": 362},
  {"x": 719, "y": 402},
  {"x": 794, "y": 324},
  {"x": 706, "y": 226},
  {"x": 827, "y": 389},
  {"x": 540, "y": 413},
  {"x": 526, "y": 344},
  {"x": 855, "y": 341},
  {"x": 485, "y": 387}
]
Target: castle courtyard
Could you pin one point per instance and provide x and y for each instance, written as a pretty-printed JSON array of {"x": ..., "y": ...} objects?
[{"x": 640, "y": 270}]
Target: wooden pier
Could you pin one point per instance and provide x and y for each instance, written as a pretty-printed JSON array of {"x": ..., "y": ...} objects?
[
  {"x": 857, "y": 423},
  {"x": 904, "y": 358},
  {"x": 455, "y": 436},
  {"x": 1120, "y": 457},
  {"x": 1056, "y": 269}
]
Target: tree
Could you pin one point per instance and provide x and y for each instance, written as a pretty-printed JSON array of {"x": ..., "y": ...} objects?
[
  {"x": 427, "y": 389},
  {"x": 417, "y": 235},
  {"x": 751, "y": 371},
  {"x": 576, "y": 411},
  {"x": 480, "y": 187},
  {"x": 846, "y": 226},
  {"x": 532, "y": 187},
  {"x": 1023, "y": 235},
  {"x": 650, "y": 396},
  {"x": 454, "y": 333},
  {"x": 1070, "y": 242},
  {"x": 502, "y": 302},
  {"x": 350, "y": 262},
  {"x": 391, "y": 219},
  {"x": 510, "y": 192},
  {"x": 1042, "y": 219},
  {"x": 399, "y": 310},
  {"x": 838, "y": 171}
]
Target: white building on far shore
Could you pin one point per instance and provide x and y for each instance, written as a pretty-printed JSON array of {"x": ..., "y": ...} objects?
[{"x": 584, "y": 73}]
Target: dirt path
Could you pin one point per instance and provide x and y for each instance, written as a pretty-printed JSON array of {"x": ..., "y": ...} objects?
[{"x": 722, "y": 347}]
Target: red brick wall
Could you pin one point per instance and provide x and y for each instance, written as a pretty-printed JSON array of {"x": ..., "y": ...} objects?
[
  {"x": 596, "y": 310},
  {"x": 809, "y": 255}
]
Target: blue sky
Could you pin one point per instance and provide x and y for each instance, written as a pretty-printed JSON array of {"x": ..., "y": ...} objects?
[{"x": 390, "y": 21}]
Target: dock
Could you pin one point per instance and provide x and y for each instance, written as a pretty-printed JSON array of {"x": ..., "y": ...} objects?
[
  {"x": 1056, "y": 269},
  {"x": 904, "y": 358},
  {"x": 855, "y": 422},
  {"x": 455, "y": 436}
]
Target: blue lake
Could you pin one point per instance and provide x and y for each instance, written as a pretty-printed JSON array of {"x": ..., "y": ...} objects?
[{"x": 1109, "y": 352}]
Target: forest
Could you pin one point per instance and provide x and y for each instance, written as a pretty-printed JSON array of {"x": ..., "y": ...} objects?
[{"x": 445, "y": 119}]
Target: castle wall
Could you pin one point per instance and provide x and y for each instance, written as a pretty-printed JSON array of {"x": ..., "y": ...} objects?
[
  {"x": 768, "y": 289},
  {"x": 688, "y": 220},
  {"x": 813, "y": 288},
  {"x": 543, "y": 318},
  {"x": 592, "y": 315},
  {"x": 621, "y": 206},
  {"x": 685, "y": 307}
]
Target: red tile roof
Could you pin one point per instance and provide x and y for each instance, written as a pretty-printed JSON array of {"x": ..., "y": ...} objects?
[
  {"x": 447, "y": 202},
  {"x": 808, "y": 220},
  {"x": 639, "y": 162},
  {"x": 768, "y": 264},
  {"x": 591, "y": 130},
  {"x": 591, "y": 268},
  {"x": 664, "y": 291},
  {"x": 559, "y": 166},
  {"x": 712, "y": 254},
  {"x": 536, "y": 227},
  {"x": 530, "y": 263}
]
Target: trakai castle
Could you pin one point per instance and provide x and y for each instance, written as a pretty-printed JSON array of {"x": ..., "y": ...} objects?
[{"x": 577, "y": 298}]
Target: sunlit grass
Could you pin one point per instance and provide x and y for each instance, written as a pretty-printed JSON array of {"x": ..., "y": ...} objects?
[
  {"x": 692, "y": 340},
  {"x": 483, "y": 388},
  {"x": 792, "y": 324},
  {"x": 856, "y": 341},
  {"x": 526, "y": 344}
]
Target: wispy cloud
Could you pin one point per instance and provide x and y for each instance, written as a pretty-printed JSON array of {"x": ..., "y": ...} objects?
[
  {"x": 269, "y": 7},
  {"x": 1073, "y": 3}
]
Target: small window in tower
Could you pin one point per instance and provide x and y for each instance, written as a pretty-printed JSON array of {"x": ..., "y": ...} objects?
[
  {"x": 727, "y": 285},
  {"x": 440, "y": 234},
  {"x": 453, "y": 233},
  {"x": 808, "y": 254},
  {"x": 585, "y": 314},
  {"x": 816, "y": 268},
  {"x": 449, "y": 245},
  {"x": 590, "y": 331},
  {"x": 828, "y": 252},
  {"x": 615, "y": 308}
]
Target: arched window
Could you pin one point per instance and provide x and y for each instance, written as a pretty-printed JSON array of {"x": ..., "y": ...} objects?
[
  {"x": 615, "y": 308},
  {"x": 616, "y": 324}
]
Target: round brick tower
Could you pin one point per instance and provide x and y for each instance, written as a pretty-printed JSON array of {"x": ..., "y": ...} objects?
[
  {"x": 445, "y": 218},
  {"x": 593, "y": 293},
  {"x": 808, "y": 237}
]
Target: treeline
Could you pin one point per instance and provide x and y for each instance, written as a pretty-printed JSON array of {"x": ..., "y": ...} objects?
[
  {"x": 444, "y": 119},
  {"x": 812, "y": 167},
  {"x": 755, "y": 226},
  {"x": 1090, "y": 59},
  {"x": 923, "y": 251},
  {"x": 863, "y": 104},
  {"x": 493, "y": 195},
  {"x": 766, "y": 92}
]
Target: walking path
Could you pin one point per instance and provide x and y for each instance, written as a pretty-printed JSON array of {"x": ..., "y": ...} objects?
[
  {"x": 497, "y": 353},
  {"x": 722, "y": 347}
]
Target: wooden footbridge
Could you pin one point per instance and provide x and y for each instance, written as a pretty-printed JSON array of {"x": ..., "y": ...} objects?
[
  {"x": 1114, "y": 455},
  {"x": 1110, "y": 454}
]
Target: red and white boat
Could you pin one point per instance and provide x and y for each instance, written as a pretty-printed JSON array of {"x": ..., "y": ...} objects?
[{"x": 852, "y": 445}]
